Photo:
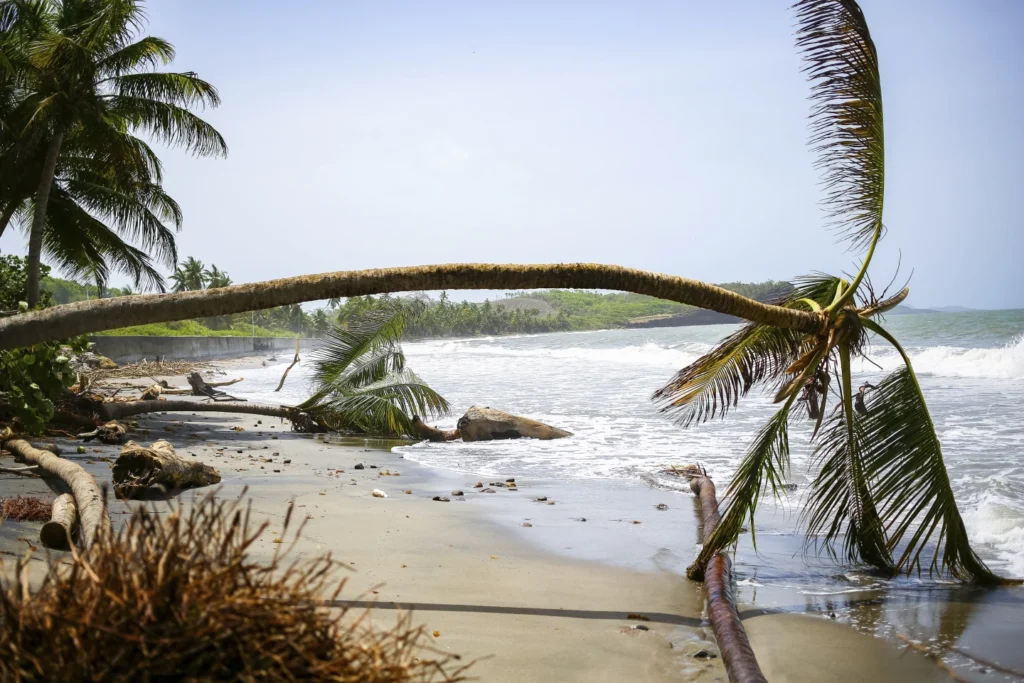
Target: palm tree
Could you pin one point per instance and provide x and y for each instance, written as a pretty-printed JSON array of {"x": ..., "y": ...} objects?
[
  {"x": 89, "y": 77},
  {"x": 215, "y": 277},
  {"x": 319, "y": 323},
  {"x": 882, "y": 490},
  {"x": 189, "y": 276},
  {"x": 361, "y": 382}
]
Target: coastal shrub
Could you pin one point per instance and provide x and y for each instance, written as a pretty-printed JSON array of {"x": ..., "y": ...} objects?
[
  {"x": 191, "y": 328},
  {"x": 178, "y": 597}
]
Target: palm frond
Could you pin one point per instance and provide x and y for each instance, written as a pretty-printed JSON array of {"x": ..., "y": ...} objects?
[
  {"x": 715, "y": 382},
  {"x": 343, "y": 347},
  {"x": 374, "y": 366},
  {"x": 148, "y": 51},
  {"x": 183, "y": 89},
  {"x": 170, "y": 124},
  {"x": 886, "y": 304},
  {"x": 767, "y": 460},
  {"x": 847, "y": 129},
  {"x": 841, "y": 503},
  {"x": 904, "y": 455},
  {"x": 385, "y": 407}
]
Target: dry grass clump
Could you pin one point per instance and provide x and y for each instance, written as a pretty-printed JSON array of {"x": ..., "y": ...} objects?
[
  {"x": 25, "y": 509},
  {"x": 176, "y": 597}
]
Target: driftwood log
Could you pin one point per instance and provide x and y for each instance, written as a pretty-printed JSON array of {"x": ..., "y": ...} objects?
[
  {"x": 737, "y": 655},
  {"x": 289, "y": 368},
  {"x": 59, "y": 531},
  {"x": 429, "y": 433},
  {"x": 138, "y": 469},
  {"x": 486, "y": 424},
  {"x": 117, "y": 411},
  {"x": 112, "y": 433},
  {"x": 88, "y": 497},
  {"x": 200, "y": 387},
  {"x": 152, "y": 393}
]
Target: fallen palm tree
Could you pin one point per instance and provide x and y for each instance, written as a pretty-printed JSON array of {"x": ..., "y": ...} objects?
[
  {"x": 58, "y": 532},
  {"x": 89, "y": 500},
  {"x": 178, "y": 597}
]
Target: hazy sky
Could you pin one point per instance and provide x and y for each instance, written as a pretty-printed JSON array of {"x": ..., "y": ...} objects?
[{"x": 662, "y": 135}]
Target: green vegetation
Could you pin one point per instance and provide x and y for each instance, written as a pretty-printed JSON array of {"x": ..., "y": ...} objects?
[
  {"x": 191, "y": 328},
  {"x": 78, "y": 83}
]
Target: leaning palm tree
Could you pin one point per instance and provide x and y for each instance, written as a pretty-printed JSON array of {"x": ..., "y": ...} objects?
[
  {"x": 882, "y": 494},
  {"x": 90, "y": 77},
  {"x": 190, "y": 276},
  {"x": 361, "y": 382}
]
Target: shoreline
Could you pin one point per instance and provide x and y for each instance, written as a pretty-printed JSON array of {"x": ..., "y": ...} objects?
[{"x": 548, "y": 601}]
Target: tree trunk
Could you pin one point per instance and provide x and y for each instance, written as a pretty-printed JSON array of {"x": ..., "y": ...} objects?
[
  {"x": 138, "y": 469},
  {"x": 58, "y": 532},
  {"x": 289, "y": 368},
  {"x": 35, "y": 239},
  {"x": 7, "y": 215},
  {"x": 429, "y": 433},
  {"x": 737, "y": 655},
  {"x": 118, "y": 411},
  {"x": 68, "y": 320},
  {"x": 88, "y": 497},
  {"x": 487, "y": 424}
]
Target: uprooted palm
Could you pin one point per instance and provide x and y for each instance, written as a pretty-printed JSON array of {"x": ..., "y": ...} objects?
[
  {"x": 881, "y": 494},
  {"x": 361, "y": 382}
]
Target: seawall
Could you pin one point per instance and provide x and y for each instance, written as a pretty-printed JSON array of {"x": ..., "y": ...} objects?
[{"x": 133, "y": 349}]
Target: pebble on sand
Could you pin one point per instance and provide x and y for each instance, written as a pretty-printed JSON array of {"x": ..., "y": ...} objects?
[{"x": 377, "y": 493}]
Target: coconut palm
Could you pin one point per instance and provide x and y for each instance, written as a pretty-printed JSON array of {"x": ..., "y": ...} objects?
[
  {"x": 89, "y": 76},
  {"x": 882, "y": 494},
  {"x": 215, "y": 277},
  {"x": 190, "y": 276},
  {"x": 361, "y": 383}
]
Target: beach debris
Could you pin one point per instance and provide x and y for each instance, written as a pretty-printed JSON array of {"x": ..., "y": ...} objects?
[
  {"x": 441, "y": 499},
  {"x": 152, "y": 393},
  {"x": 488, "y": 490},
  {"x": 377, "y": 493},
  {"x": 511, "y": 481},
  {"x": 138, "y": 469},
  {"x": 478, "y": 485},
  {"x": 661, "y": 506},
  {"x": 688, "y": 471},
  {"x": 582, "y": 519},
  {"x": 80, "y": 450},
  {"x": 59, "y": 531},
  {"x": 437, "y": 634},
  {"x": 551, "y": 502},
  {"x": 289, "y": 368},
  {"x": 527, "y": 524},
  {"x": 497, "y": 484},
  {"x": 111, "y": 433},
  {"x": 636, "y": 521},
  {"x": 457, "y": 492},
  {"x": 408, "y": 492},
  {"x": 637, "y": 617},
  {"x": 289, "y": 462},
  {"x": 541, "y": 499},
  {"x": 705, "y": 654},
  {"x": 25, "y": 509},
  {"x": 359, "y": 466},
  {"x": 487, "y": 424},
  {"x": 640, "y": 627},
  {"x": 429, "y": 433}
]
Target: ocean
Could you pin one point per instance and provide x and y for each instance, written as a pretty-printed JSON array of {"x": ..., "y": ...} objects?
[{"x": 598, "y": 385}]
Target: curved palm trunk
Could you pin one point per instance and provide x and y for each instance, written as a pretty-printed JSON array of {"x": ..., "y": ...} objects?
[
  {"x": 35, "y": 240},
  {"x": 92, "y": 316},
  {"x": 119, "y": 411}
]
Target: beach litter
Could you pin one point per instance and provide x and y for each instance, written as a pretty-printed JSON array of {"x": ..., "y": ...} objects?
[{"x": 377, "y": 493}]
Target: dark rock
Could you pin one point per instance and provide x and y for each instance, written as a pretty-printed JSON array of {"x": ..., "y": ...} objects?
[
  {"x": 485, "y": 424},
  {"x": 542, "y": 499},
  {"x": 359, "y": 466},
  {"x": 582, "y": 519},
  {"x": 705, "y": 654},
  {"x": 478, "y": 485},
  {"x": 661, "y": 506},
  {"x": 498, "y": 484},
  {"x": 441, "y": 499},
  {"x": 457, "y": 492},
  {"x": 287, "y": 462},
  {"x": 527, "y": 524},
  {"x": 640, "y": 627},
  {"x": 373, "y": 467},
  {"x": 510, "y": 481},
  {"x": 488, "y": 491}
]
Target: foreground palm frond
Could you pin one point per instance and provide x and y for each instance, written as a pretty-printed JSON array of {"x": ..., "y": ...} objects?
[
  {"x": 846, "y": 121},
  {"x": 179, "y": 597},
  {"x": 361, "y": 382}
]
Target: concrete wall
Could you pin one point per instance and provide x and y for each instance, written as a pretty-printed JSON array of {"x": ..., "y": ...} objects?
[{"x": 132, "y": 349}]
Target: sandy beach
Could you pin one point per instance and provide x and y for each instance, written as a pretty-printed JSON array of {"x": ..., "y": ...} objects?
[{"x": 481, "y": 571}]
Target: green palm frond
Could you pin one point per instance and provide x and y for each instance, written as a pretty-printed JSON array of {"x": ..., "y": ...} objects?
[
  {"x": 374, "y": 366},
  {"x": 715, "y": 382},
  {"x": 169, "y": 123},
  {"x": 847, "y": 129},
  {"x": 381, "y": 328},
  {"x": 767, "y": 460},
  {"x": 147, "y": 52},
  {"x": 182, "y": 89},
  {"x": 842, "y": 500},
  {"x": 903, "y": 454},
  {"x": 385, "y": 407}
]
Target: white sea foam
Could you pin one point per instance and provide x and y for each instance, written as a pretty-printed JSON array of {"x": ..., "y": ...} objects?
[
  {"x": 1005, "y": 362},
  {"x": 999, "y": 523}
]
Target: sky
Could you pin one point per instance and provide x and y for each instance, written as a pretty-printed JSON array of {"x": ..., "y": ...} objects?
[{"x": 663, "y": 135}]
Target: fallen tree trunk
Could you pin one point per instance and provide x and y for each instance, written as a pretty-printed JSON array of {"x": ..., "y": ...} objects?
[
  {"x": 487, "y": 424},
  {"x": 138, "y": 469},
  {"x": 201, "y": 388},
  {"x": 737, "y": 655},
  {"x": 117, "y": 411},
  {"x": 429, "y": 433},
  {"x": 88, "y": 497},
  {"x": 111, "y": 433},
  {"x": 68, "y": 320},
  {"x": 59, "y": 531}
]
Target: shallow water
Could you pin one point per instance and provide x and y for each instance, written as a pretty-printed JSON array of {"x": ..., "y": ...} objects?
[{"x": 598, "y": 385}]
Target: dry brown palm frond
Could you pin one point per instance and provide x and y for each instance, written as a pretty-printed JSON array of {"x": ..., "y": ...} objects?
[
  {"x": 177, "y": 597},
  {"x": 24, "y": 509},
  {"x": 847, "y": 129}
]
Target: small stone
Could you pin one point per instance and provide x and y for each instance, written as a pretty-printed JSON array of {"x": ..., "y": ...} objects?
[
  {"x": 373, "y": 467},
  {"x": 441, "y": 499},
  {"x": 661, "y": 506},
  {"x": 542, "y": 499},
  {"x": 497, "y": 484},
  {"x": 640, "y": 627},
  {"x": 457, "y": 492},
  {"x": 636, "y": 521},
  {"x": 408, "y": 492},
  {"x": 377, "y": 493},
  {"x": 277, "y": 470},
  {"x": 551, "y": 502},
  {"x": 274, "y": 436},
  {"x": 488, "y": 491},
  {"x": 478, "y": 485},
  {"x": 582, "y": 519},
  {"x": 510, "y": 481},
  {"x": 288, "y": 462},
  {"x": 359, "y": 466},
  {"x": 527, "y": 524},
  {"x": 704, "y": 654},
  {"x": 239, "y": 450}
]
